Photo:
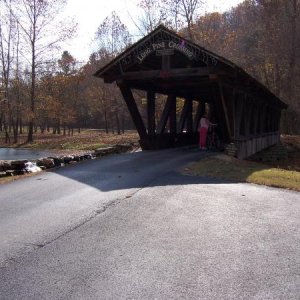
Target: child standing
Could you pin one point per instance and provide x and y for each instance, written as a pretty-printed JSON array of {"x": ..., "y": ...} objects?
[{"x": 203, "y": 128}]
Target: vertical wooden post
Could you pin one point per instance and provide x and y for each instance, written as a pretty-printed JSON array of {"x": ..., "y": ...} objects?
[
  {"x": 151, "y": 112},
  {"x": 172, "y": 117},
  {"x": 262, "y": 119},
  {"x": 234, "y": 109},
  {"x": 236, "y": 117},
  {"x": 271, "y": 120},
  {"x": 229, "y": 97},
  {"x": 225, "y": 111},
  {"x": 256, "y": 113},
  {"x": 247, "y": 115},
  {"x": 134, "y": 112},
  {"x": 165, "y": 64},
  {"x": 241, "y": 114},
  {"x": 189, "y": 120},
  {"x": 278, "y": 119}
]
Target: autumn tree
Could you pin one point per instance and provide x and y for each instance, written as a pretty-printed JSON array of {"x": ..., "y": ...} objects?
[
  {"x": 6, "y": 49},
  {"x": 70, "y": 78},
  {"x": 112, "y": 37},
  {"x": 9, "y": 58},
  {"x": 67, "y": 64},
  {"x": 278, "y": 64},
  {"x": 263, "y": 37},
  {"x": 58, "y": 97},
  {"x": 41, "y": 34}
]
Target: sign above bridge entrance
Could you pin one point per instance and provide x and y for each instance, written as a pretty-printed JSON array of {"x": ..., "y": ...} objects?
[{"x": 165, "y": 48}]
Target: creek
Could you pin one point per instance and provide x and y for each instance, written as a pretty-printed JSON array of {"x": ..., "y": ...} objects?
[{"x": 21, "y": 153}]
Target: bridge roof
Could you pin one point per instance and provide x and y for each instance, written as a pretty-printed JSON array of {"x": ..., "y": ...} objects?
[{"x": 167, "y": 62}]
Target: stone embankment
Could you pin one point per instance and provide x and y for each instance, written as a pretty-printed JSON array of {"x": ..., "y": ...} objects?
[{"x": 21, "y": 167}]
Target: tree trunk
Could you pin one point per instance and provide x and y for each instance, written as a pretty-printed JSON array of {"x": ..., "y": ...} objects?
[
  {"x": 33, "y": 75},
  {"x": 1, "y": 122},
  {"x": 16, "y": 131},
  {"x": 123, "y": 123},
  {"x": 14, "y": 125},
  {"x": 58, "y": 127},
  {"x": 21, "y": 126},
  {"x": 30, "y": 132},
  {"x": 118, "y": 123},
  {"x": 42, "y": 127},
  {"x": 106, "y": 121},
  {"x": 7, "y": 137}
]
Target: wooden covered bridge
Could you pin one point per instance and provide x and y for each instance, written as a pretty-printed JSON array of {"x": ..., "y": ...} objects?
[{"x": 247, "y": 113}]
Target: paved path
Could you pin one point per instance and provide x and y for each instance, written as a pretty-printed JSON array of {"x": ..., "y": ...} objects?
[{"x": 132, "y": 227}]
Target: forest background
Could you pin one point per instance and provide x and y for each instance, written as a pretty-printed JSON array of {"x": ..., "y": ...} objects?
[{"x": 39, "y": 93}]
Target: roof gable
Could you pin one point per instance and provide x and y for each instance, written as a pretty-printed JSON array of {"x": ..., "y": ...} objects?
[{"x": 160, "y": 40}]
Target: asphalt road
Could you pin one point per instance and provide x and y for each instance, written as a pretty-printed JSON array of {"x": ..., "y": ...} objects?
[{"x": 133, "y": 227}]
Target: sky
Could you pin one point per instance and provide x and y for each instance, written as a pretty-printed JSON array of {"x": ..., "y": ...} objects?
[{"x": 90, "y": 13}]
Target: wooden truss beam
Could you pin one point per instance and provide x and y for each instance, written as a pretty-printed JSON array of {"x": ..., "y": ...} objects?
[
  {"x": 172, "y": 73},
  {"x": 180, "y": 89},
  {"x": 186, "y": 116},
  {"x": 165, "y": 115},
  {"x": 134, "y": 112}
]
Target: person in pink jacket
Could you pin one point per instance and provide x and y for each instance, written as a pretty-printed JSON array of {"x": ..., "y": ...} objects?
[{"x": 203, "y": 128}]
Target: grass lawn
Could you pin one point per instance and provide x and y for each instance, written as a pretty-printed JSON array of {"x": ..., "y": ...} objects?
[
  {"x": 232, "y": 169},
  {"x": 88, "y": 139},
  {"x": 282, "y": 173}
]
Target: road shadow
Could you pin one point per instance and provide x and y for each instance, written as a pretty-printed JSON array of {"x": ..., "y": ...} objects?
[{"x": 140, "y": 169}]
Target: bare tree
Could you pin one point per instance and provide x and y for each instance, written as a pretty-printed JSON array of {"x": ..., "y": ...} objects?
[
  {"x": 9, "y": 39},
  {"x": 112, "y": 35},
  {"x": 153, "y": 13},
  {"x": 184, "y": 12},
  {"x": 176, "y": 14},
  {"x": 41, "y": 34}
]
